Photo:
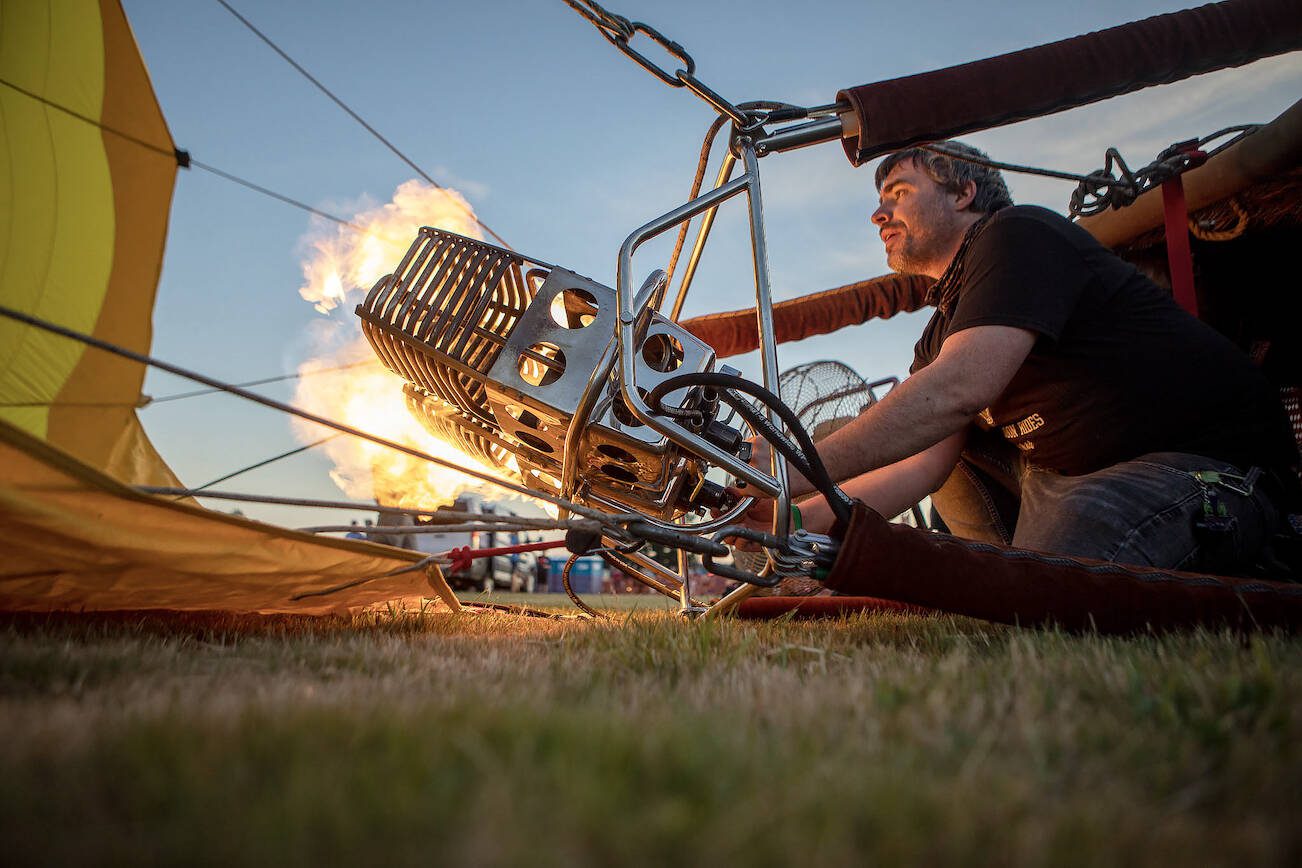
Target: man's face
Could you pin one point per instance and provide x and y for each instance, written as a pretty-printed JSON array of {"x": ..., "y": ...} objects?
[{"x": 918, "y": 221}]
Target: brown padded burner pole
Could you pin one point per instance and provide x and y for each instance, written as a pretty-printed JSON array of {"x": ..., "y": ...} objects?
[
  {"x": 1061, "y": 75},
  {"x": 734, "y": 332},
  {"x": 1270, "y": 151},
  {"x": 1013, "y": 586}
]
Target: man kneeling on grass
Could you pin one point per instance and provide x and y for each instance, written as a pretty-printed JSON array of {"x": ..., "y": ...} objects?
[{"x": 1058, "y": 400}]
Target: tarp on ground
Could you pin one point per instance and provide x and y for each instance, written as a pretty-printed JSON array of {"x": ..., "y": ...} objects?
[{"x": 74, "y": 538}]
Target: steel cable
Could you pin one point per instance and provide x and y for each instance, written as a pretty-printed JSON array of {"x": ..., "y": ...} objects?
[{"x": 355, "y": 116}]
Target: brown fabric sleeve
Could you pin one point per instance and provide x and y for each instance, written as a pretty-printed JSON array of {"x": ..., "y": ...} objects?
[
  {"x": 737, "y": 331},
  {"x": 1061, "y": 75},
  {"x": 1012, "y": 586}
]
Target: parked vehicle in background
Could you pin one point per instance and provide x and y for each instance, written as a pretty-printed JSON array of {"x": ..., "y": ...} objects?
[{"x": 517, "y": 572}]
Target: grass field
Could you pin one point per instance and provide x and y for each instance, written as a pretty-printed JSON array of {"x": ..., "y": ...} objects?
[{"x": 643, "y": 740}]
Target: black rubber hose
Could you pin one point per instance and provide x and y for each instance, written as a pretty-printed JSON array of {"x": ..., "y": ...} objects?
[
  {"x": 569, "y": 590},
  {"x": 805, "y": 457}
]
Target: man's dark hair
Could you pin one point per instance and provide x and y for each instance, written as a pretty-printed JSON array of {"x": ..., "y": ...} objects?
[{"x": 953, "y": 174}]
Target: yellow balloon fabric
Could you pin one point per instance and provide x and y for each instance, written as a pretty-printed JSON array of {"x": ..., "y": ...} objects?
[
  {"x": 87, "y": 168},
  {"x": 82, "y": 233}
]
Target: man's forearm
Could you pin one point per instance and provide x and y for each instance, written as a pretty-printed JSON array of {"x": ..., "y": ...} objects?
[
  {"x": 913, "y": 417},
  {"x": 892, "y": 489},
  {"x": 972, "y": 370}
]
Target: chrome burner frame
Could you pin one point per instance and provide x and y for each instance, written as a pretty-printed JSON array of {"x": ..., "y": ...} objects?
[
  {"x": 543, "y": 373},
  {"x": 501, "y": 355}
]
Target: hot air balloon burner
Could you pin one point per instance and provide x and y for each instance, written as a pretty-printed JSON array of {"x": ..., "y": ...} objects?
[{"x": 512, "y": 361}]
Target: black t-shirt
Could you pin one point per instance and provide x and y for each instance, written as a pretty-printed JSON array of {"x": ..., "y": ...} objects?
[{"x": 1118, "y": 370}]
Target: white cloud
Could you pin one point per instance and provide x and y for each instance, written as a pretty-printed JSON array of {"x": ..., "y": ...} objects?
[{"x": 471, "y": 188}]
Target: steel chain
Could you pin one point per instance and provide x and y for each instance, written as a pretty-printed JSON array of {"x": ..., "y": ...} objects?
[
  {"x": 620, "y": 32},
  {"x": 604, "y": 20}
]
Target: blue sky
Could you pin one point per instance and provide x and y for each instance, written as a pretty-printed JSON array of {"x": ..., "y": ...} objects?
[{"x": 563, "y": 146}]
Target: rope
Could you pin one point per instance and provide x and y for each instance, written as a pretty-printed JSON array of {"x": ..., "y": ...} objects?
[
  {"x": 98, "y": 405},
  {"x": 490, "y": 520},
  {"x": 170, "y": 153},
  {"x": 611, "y": 24},
  {"x": 460, "y": 558},
  {"x": 1102, "y": 189},
  {"x": 523, "y": 611},
  {"x": 45, "y": 325},
  {"x": 183, "y": 158},
  {"x": 1210, "y": 233},
  {"x": 265, "y": 380},
  {"x": 264, "y": 463},
  {"x": 280, "y": 197},
  {"x": 146, "y": 401},
  {"x": 701, "y": 164},
  {"x": 355, "y": 116},
  {"x": 569, "y": 591},
  {"x": 467, "y": 527}
]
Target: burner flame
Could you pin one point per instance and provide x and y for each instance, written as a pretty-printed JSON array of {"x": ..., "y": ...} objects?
[{"x": 341, "y": 265}]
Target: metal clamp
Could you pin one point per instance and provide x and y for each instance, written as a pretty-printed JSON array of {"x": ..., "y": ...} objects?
[
  {"x": 1243, "y": 485},
  {"x": 800, "y": 554}
]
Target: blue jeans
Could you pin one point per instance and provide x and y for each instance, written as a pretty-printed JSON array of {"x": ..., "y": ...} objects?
[{"x": 1143, "y": 512}]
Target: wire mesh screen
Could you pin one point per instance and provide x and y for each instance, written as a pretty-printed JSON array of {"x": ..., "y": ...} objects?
[{"x": 827, "y": 395}]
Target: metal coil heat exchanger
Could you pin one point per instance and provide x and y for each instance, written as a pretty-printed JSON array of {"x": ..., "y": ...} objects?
[{"x": 510, "y": 360}]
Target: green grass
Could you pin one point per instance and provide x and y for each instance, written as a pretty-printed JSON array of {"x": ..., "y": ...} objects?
[
  {"x": 561, "y": 603},
  {"x": 484, "y": 739}
]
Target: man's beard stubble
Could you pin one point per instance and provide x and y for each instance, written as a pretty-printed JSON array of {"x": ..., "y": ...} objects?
[{"x": 923, "y": 242}]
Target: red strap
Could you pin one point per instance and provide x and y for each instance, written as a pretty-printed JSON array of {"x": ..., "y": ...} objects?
[
  {"x": 461, "y": 557},
  {"x": 1179, "y": 258}
]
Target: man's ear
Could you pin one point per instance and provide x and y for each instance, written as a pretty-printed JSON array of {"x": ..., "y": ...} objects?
[{"x": 964, "y": 200}]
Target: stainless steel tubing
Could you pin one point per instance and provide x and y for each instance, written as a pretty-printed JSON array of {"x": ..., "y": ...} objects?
[
  {"x": 768, "y": 341},
  {"x": 627, "y": 343},
  {"x": 702, "y": 235},
  {"x": 800, "y": 136}
]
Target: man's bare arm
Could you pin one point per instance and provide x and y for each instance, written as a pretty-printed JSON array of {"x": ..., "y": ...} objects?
[{"x": 972, "y": 370}]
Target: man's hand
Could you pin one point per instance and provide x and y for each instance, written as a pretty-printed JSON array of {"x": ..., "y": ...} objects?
[
  {"x": 760, "y": 452},
  {"x": 760, "y": 514},
  {"x": 758, "y": 517}
]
